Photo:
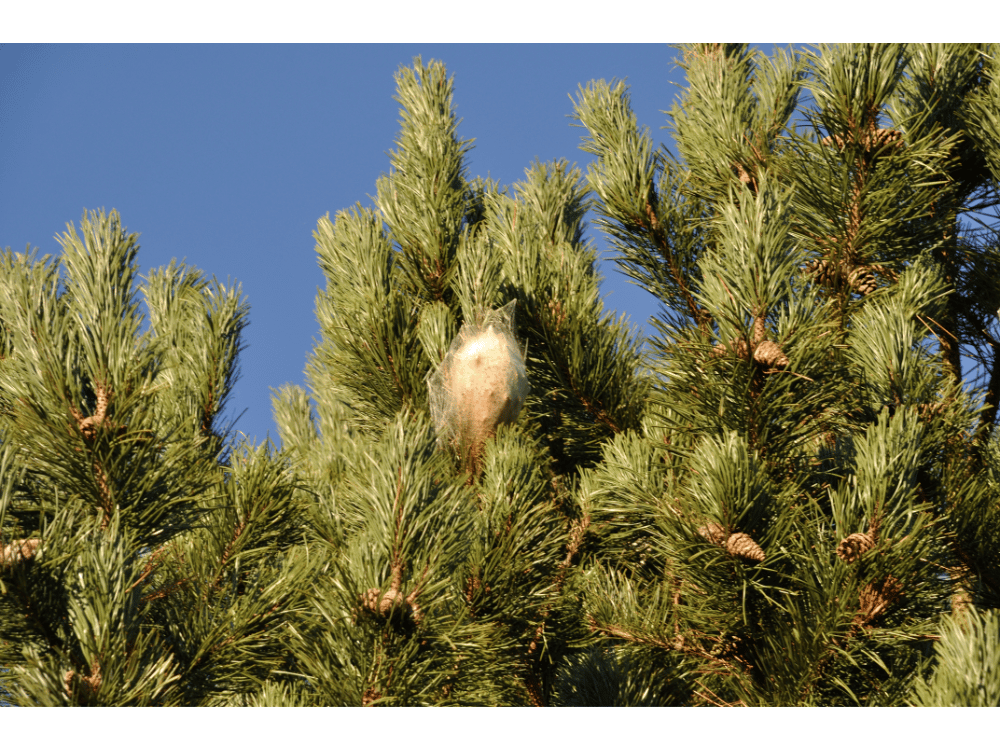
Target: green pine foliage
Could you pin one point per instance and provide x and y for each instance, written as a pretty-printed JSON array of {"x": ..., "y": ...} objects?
[
  {"x": 967, "y": 656},
  {"x": 821, "y": 466},
  {"x": 788, "y": 496},
  {"x": 446, "y": 583},
  {"x": 142, "y": 564}
]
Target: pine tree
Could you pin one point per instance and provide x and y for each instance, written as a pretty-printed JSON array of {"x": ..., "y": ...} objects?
[
  {"x": 141, "y": 563},
  {"x": 491, "y": 492},
  {"x": 816, "y": 484},
  {"x": 452, "y": 543},
  {"x": 797, "y": 492}
]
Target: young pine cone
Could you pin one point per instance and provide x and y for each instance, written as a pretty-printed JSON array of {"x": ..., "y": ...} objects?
[
  {"x": 392, "y": 605},
  {"x": 929, "y": 411},
  {"x": 369, "y": 600},
  {"x": 854, "y": 546},
  {"x": 87, "y": 685},
  {"x": 859, "y": 278},
  {"x": 885, "y": 137}
]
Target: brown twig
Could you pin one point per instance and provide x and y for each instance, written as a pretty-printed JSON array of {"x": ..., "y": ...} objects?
[{"x": 655, "y": 232}]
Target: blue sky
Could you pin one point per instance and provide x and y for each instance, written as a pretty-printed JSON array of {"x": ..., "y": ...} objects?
[{"x": 226, "y": 156}]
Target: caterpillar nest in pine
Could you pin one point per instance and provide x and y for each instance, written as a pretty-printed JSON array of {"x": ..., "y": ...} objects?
[{"x": 480, "y": 384}]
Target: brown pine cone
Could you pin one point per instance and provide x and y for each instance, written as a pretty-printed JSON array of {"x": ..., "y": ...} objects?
[
  {"x": 93, "y": 680},
  {"x": 833, "y": 140},
  {"x": 885, "y": 137},
  {"x": 854, "y": 546},
  {"x": 876, "y": 598},
  {"x": 769, "y": 354},
  {"x": 872, "y": 140},
  {"x": 556, "y": 313},
  {"x": 391, "y": 599},
  {"x": 737, "y": 347},
  {"x": 370, "y": 600},
  {"x": 862, "y": 280},
  {"x": 741, "y": 545},
  {"x": 88, "y": 684},
  {"x": 88, "y": 425},
  {"x": 742, "y": 173},
  {"x": 929, "y": 411},
  {"x": 822, "y": 271},
  {"x": 714, "y": 533},
  {"x": 19, "y": 550}
]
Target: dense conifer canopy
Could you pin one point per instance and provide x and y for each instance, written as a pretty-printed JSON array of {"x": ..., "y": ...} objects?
[{"x": 788, "y": 496}]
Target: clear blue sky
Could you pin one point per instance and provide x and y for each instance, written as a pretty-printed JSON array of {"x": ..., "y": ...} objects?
[{"x": 226, "y": 156}]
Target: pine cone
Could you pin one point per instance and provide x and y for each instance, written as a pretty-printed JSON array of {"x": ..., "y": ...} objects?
[
  {"x": 88, "y": 425},
  {"x": 89, "y": 684},
  {"x": 833, "y": 140},
  {"x": 391, "y": 606},
  {"x": 370, "y": 600},
  {"x": 742, "y": 173},
  {"x": 741, "y": 545},
  {"x": 737, "y": 347},
  {"x": 391, "y": 599},
  {"x": 929, "y": 411},
  {"x": 859, "y": 278},
  {"x": 862, "y": 280},
  {"x": 872, "y": 141},
  {"x": 822, "y": 271},
  {"x": 556, "y": 313},
  {"x": 769, "y": 354},
  {"x": 19, "y": 550},
  {"x": 714, "y": 533},
  {"x": 876, "y": 598},
  {"x": 885, "y": 137},
  {"x": 854, "y": 546}
]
